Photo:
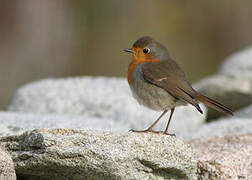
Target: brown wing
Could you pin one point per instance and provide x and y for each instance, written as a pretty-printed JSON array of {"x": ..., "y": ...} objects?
[{"x": 170, "y": 77}]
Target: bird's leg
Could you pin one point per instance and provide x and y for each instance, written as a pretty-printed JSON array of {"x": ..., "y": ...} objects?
[
  {"x": 167, "y": 126},
  {"x": 150, "y": 128}
]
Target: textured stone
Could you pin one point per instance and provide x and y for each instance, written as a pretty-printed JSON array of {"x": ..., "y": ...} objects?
[
  {"x": 228, "y": 157},
  {"x": 7, "y": 169},
  {"x": 227, "y": 126},
  {"x": 103, "y": 98},
  {"x": 72, "y": 154}
]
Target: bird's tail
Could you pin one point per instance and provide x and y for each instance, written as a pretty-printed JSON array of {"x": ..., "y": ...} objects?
[{"x": 214, "y": 104}]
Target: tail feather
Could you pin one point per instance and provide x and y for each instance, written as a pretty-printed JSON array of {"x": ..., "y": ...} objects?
[{"x": 214, "y": 104}]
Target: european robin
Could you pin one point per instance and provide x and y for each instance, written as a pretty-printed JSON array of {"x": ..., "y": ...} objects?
[{"x": 157, "y": 82}]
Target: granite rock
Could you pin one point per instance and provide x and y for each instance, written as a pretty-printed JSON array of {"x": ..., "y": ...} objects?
[
  {"x": 7, "y": 169},
  {"x": 228, "y": 157},
  {"x": 73, "y": 154}
]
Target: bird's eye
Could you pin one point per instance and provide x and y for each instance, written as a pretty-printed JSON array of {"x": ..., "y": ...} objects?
[{"x": 146, "y": 50}]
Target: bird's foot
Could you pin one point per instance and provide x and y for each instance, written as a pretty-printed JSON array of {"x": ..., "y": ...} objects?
[
  {"x": 145, "y": 131},
  {"x": 174, "y": 135},
  {"x": 152, "y": 131}
]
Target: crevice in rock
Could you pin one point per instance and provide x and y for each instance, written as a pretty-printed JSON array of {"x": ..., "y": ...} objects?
[
  {"x": 163, "y": 172},
  {"x": 30, "y": 177}
]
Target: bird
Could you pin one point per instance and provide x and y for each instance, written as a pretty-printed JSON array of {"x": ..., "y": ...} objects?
[{"x": 158, "y": 82}]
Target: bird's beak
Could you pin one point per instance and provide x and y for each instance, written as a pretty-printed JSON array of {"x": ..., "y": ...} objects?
[{"x": 129, "y": 50}]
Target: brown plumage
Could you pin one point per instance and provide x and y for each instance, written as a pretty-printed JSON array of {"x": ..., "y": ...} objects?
[{"x": 159, "y": 83}]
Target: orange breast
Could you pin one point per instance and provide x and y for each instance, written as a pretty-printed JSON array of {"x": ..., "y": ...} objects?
[{"x": 132, "y": 66}]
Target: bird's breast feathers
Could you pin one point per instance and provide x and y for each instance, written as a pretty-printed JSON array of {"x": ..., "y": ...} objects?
[{"x": 135, "y": 64}]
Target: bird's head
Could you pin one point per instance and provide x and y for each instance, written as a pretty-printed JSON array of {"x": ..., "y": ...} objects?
[{"x": 147, "y": 48}]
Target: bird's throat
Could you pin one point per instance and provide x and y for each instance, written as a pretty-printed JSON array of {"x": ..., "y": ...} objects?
[{"x": 133, "y": 65}]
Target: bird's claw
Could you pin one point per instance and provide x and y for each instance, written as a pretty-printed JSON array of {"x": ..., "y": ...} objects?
[
  {"x": 144, "y": 131},
  {"x": 173, "y": 135},
  {"x": 152, "y": 131}
]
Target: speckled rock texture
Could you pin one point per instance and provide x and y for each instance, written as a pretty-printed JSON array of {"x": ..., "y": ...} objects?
[
  {"x": 7, "y": 169},
  {"x": 232, "y": 85},
  {"x": 228, "y": 157},
  {"x": 107, "y": 99},
  {"x": 71, "y": 154},
  {"x": 225, "y": 126}
]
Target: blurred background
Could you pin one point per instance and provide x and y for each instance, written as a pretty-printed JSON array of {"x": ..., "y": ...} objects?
[{"x": 61, "y": 38}]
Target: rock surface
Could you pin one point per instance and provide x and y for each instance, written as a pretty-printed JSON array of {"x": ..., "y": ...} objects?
[
  {"x": 103, "y": 98},
  {"x": 72, "y": 154},
  {"x": 238, "y": 64},
  {"x": 228, "y": 157},
  {"x": 227, "y": 126},
  {"x": 12, "y": 123},
  {"x": 7, "y": 169}
]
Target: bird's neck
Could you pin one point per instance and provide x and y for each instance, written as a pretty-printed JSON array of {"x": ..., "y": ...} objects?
[{"x": 133, "y": 65}]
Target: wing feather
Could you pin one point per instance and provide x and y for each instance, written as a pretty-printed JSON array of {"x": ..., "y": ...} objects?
[{"x": 169, "y": 76}]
